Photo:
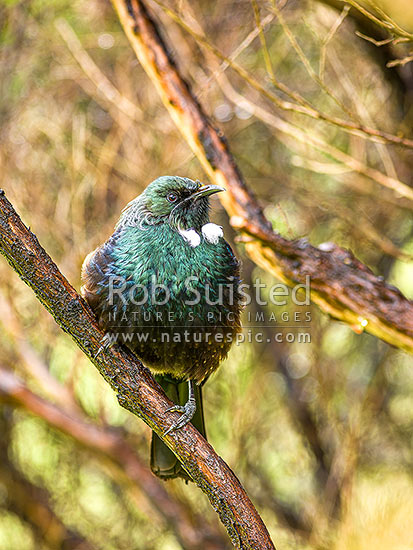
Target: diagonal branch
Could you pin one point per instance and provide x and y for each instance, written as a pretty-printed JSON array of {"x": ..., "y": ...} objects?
[
  {"x": 341, "y": 285},
  {"x": 136, "y": 390}
]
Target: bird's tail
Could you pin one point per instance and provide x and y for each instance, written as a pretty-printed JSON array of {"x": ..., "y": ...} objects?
[{"x": 164, "y": 463}]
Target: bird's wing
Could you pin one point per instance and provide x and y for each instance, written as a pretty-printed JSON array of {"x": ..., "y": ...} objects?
[
  {"x": 233, "y": 262},
  {"x": 94, "y": 273}
]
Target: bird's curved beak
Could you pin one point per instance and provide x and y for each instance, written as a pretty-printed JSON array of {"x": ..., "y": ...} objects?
[{"x": 206, "y": 190}]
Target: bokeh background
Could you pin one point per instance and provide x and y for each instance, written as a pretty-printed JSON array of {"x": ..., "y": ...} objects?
[{"x": 320, "y": 433}]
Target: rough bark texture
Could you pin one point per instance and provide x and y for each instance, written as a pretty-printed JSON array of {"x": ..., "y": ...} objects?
[
  {"x": 136, "y": 390},
  {"x": 340, "y": 285}
]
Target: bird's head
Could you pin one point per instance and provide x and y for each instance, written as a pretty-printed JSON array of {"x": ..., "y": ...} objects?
[{"x": 180, "y": 202}]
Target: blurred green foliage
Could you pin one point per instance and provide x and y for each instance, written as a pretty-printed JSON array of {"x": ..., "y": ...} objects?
[{"x": 320, "y": 434}]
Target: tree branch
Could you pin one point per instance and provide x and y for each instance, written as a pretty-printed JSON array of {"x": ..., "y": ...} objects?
[
  {"x": 340, "y": 285},
  {"x": 136, "y": 390},
  {"x": 384, "y": 43}
]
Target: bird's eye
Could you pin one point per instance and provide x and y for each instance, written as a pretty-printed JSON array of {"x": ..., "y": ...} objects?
[{"x": 172, "y": 197}]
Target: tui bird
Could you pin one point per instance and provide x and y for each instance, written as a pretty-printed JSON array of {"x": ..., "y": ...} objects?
[{"x": 166, "y": 284}]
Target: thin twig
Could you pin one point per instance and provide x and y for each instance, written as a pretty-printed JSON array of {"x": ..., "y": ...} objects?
[
  {"x": 306, "y": 62},
  {"x": 377, "y": 43},
  {"x": 313, "y": 139},
  {"x": 362, "y": 110},
  {"x": 399, "y": 62},
  {"x": 388, "y": 24},
  {"x": 328, "y": 38},
  {"x": 396, "y": 28},
  {"x": 102, "y": 83},
  {"x": 236, "y": 53},
  {"x": 302, "y": 106}
]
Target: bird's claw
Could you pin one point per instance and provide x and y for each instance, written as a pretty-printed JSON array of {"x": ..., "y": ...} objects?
[
  {"x": 99, "y": 351},
  {"x": 176, "y": 408},
  {"x": 105, "y": 344},
  {"x": 188, "y": 411}
]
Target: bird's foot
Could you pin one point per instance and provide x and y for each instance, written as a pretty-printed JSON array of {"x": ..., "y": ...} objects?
[
  {"x": 106, "y": 343},
  {"x": 188, "y": 411}
]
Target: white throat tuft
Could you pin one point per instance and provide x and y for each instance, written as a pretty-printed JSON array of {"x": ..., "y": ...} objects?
[
  {"x": 212, "y": 232},
  {"x": 191, "y": 236}
]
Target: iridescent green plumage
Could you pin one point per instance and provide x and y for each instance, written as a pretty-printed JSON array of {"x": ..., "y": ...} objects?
[{"x": 167, "y": 273}]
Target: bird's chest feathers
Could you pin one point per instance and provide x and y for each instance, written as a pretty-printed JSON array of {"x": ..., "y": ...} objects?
[
  {"x": 172, "y": 256},
  {"x": 210, "y": 232},
  {"x": 183, "y": 262}
]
